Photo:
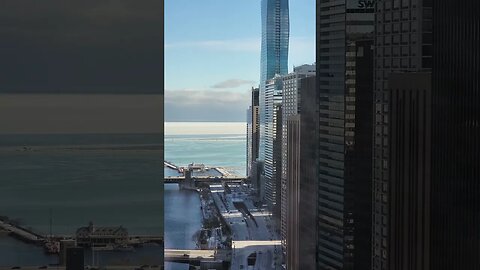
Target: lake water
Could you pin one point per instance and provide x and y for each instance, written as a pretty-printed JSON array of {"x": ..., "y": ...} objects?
[{"x": 108, "y": 179}]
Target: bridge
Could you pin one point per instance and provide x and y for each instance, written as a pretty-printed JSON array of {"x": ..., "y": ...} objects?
[
  {"x": 206, "y": 179},
  {"x": 196, "y": 256}
]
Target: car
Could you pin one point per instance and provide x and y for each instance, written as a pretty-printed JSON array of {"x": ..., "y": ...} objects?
[
  {"x": 16, "y": 267},
  {"x": 43, "y": 267},
  {"x": 185, "y": 255}
]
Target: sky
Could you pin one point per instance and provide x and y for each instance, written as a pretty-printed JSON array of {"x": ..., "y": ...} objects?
[
  {"x": 212, "y": 55},
  {"x": 81, "y": 66}
]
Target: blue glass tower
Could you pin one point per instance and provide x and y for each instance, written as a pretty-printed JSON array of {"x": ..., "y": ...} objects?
[
  {"x": 274, "y": 61},
  {"x": 275, "y": 34}
]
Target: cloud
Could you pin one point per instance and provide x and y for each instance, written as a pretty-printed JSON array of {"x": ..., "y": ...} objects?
[
  {"x": 236, "y": 45},
  {"x": 205, "y": 105},
  {"x": 232, "y": 83},
  {"x": 301, "y": 49}
]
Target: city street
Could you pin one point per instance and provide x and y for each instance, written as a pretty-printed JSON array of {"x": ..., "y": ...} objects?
[{"x": 249, "y": 236}]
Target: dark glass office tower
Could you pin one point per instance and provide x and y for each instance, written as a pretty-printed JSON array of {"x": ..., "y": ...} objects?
[
  {"x": 344, "y": 64},
  {"x": 403, "y": 43},
  {"x": 455, "y": 215}
]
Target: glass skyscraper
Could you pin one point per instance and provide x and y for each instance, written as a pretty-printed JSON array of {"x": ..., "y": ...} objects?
[
  {"x": 274, "y": 61},
  {"x": 275, "y": 34}
]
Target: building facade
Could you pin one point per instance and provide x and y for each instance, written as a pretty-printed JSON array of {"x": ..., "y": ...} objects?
[
  {"x": 302, "y": 176},
  {"x": 253, "y": 134},
  {"x": 403, "y": 43},
  {"x": 344, "y": 82},
  {"x": 290, "y": 107},
  {"x": 455, "y": 195},
  {"x": 271, "y": 153},
  {"x": 275, "y": 36},
  {"x": 410, "y": 164},
  {"x": 274, "y": 61}
]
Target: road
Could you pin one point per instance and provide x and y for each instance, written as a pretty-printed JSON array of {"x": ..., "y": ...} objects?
[{"x": 250, "y": 236}]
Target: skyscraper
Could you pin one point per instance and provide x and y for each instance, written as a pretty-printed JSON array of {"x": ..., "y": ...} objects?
[
  {"x": 275, "y": 37},
  {"x": 302, "y": 176},
  {"x": 344, "y": 83},
  {"x": 409, "y": 170},
  {"x": 455, "y": 194},
  {"x": 271, "y": 153},
  {"x": 403, "y": 43},
  {"x": 253, "y": 130},
  {"x": 290, "y": 107},
  {"x": 274, "y": 61}
]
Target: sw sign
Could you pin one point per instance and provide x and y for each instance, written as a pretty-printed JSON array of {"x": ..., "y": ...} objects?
[{"x": 360, "y": 4}]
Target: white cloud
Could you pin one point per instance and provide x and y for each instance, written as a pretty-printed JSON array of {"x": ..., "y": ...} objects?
[
  {"x": 232, "y": 83},
  {"x": 206, "y": 105},
  {"x": 205, "y": 97},
  {"x": 237, "y": 45}
]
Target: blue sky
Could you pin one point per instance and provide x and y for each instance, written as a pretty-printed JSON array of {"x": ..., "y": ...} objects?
[{"x": 212, "y": 55}]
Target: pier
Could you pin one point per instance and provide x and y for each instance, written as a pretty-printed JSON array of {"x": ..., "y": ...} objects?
[
  {"x": 22, "y": 233},
  {"x": 31, "y": 237},
  {"x": 207, "y": 179},
  {"x": 188, "y": 179},
  {"x": 172, "y": 166}
]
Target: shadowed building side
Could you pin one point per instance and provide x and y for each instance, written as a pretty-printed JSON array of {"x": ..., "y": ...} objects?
[
  {"x": 344, "y": 84},
  {"x": 455, "y": 215},
  {"x": 410, "y": 148},
  {"x": 403, "y": 42},
  {"x": 302, "y": 176}
]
